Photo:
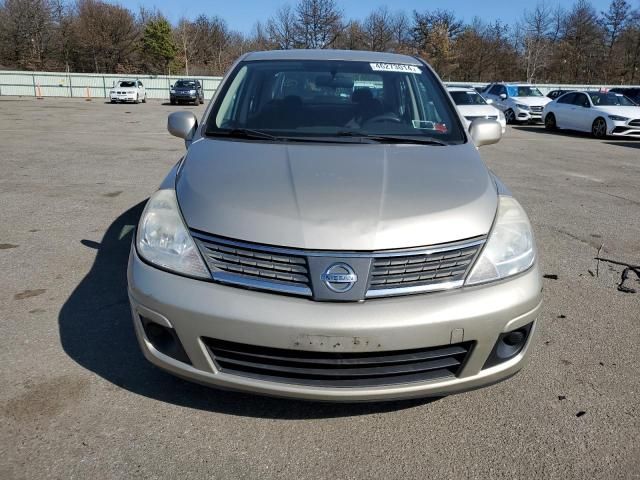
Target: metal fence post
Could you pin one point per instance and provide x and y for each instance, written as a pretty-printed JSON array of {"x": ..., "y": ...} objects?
[
  {"x": 33, "y": 79},
  {"x": 70, "y": 86},
  {"x": 104, "y": 87}
]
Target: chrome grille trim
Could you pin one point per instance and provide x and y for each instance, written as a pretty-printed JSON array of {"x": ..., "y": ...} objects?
[
  {"x": 487, "y": 117},
  {"x": 227, "y": 260}
]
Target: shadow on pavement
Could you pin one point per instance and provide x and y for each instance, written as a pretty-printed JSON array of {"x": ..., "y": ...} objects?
[
  {"x": 96, "y": 331},
  {"x": 630, "y": 144}
]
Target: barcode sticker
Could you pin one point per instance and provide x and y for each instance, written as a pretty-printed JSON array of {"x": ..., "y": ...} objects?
[{"x": 394, "y": 67}]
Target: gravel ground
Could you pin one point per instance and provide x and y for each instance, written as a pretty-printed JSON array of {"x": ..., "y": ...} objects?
[{"x": 79, "y": 400}]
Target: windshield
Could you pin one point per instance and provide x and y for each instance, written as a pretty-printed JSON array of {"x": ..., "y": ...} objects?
[
  {"x": 523, "y": 91},
  {"x": 321, "y": 100},
  {"x": 185, "y": 84},
  {"x": 610, "y": 99},
  {"x": 127, "y": 84},
  {"x": 467, "y": 98}
]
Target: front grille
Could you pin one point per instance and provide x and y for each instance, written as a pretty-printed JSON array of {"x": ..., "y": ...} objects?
[
  {"x": 635, "y": 123},
  {"x": 289, "y": 270},
  {"x": 288, "y": 273},
  {"x": 536, "y": 109},
  {"x": 333, "y": 369},
  {"x": 488, "y": 117},
  {"x": 421, "y": 270}
]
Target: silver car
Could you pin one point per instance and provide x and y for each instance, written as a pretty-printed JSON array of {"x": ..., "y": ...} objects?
[{"x": 333, "y": 234}]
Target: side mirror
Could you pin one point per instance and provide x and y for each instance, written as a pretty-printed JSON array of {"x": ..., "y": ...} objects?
[
  {"x": 503, "y": 96},
  {"x": 489, "y": 101},
  {"x": 182, "y": 125},
  {"x": 485, "y": 132}
]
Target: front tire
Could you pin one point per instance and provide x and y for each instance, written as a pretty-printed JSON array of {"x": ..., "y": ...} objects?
[
  {"x": 599, "y": 128},
  {"x": 137, "y": 100},
  {"x": 550, "y": 122},
  {"x": 144, "y": 99},
  {"x": 510, "y": 117}
]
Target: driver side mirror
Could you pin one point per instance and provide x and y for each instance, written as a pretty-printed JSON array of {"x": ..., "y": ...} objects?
[
  {"x": 503, "y": 96},
  {"x": 182, "y": 125},
  {"x": 485, "y": 132},
  {"x": 489, "y": 101}
]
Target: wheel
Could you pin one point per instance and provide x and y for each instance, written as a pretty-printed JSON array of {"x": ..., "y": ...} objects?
[
  {"x": 113, "y": 101},
  {"x": 172, "y": 101},
  {"x": 201, "y": 101},
  {"x": 550, "y": 122},
  {"x": 599, "y": 128},
  {"x": 509, "y": 116},
  {"x": 137, "y": 100},
  {"x": 144, "y": 99}
]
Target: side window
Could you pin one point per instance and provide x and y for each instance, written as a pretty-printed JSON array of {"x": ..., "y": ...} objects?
[
  {"x": 568, "y": 98},
  {"x": 495, "y": 90},
  {"x": 140, "y": 84},
  {"x": 503, "y": 89},
  {"x": 580, "y": 99}
]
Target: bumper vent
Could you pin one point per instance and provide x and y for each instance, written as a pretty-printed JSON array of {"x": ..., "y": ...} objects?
[
  {"x": 332, "y": 369},
  {"x": 635, "y": 123}
]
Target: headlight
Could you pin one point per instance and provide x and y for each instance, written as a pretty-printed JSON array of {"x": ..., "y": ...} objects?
[
  {"x": 618, "y": 118},
  {"x": 192, "y": 92},
  {"x": 510, "y": 248},
  {"x": 112, "y": 91},
  {"x": 522, "y": 106},
  {"x": 172, "y": 91},
  {"x": 163, "y": 239}
]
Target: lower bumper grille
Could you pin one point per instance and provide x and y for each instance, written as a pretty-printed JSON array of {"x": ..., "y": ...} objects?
[{"x": 333, "y": 369}]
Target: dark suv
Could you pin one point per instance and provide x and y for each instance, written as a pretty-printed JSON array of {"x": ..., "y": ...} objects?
[
  {"x": 186, "y": 90},
  {"x": 630, "y": 92}
]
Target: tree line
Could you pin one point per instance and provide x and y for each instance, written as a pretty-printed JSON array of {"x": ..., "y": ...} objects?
[{"x": 546, "y": 44}]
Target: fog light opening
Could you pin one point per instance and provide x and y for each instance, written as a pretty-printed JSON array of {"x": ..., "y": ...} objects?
[
  {"x": 165, "y": 340},
  {"x": 509, "y": 345}
]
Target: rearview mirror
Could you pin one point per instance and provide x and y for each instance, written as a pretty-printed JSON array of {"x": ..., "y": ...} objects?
[
  {"x": 485, "y": 132},
  {"x": 182, "y": 125}
]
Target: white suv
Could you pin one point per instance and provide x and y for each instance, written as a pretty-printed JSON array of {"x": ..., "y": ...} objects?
[{"x": 520, "y": 102}]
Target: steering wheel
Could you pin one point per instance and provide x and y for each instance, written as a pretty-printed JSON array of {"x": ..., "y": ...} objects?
[{"x": 385, "y": 117}]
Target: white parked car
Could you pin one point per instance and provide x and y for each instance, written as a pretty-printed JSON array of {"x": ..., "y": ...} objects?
[
  {"x": 600, "y": 113},
  {"x": 472, "y": 105},
  {"x": 128, "y": 91},
  {"x": 520, "y": 102}
]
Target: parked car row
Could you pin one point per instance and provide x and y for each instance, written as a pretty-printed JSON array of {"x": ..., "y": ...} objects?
[
  {"x": 183, "y": 91},
  {"x": 615, "y": 112}
]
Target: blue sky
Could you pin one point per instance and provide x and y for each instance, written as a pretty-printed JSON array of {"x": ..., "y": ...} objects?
[{"x": 241, "y": 15}]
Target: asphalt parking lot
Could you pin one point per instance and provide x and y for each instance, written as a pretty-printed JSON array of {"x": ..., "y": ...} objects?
[{"x": 78, "y": 400}]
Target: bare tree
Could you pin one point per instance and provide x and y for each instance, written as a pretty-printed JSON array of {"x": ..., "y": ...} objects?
[
  {"x": 537, "y": 33},
  {"x": 613, "y": 22},
  {"x": 186, "y": 37},
  {"x": 378, "y": 30},
  {"x": 318, "y": 23},
  {"x": 281, "y": 28}
]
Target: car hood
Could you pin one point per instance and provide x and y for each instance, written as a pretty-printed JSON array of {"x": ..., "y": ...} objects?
[
  {"x": 533, "y": 101},
  {"x": 336, "y": 197},
  {"x": 477, "y": 110},
  {"x": 629, "y": 112}
]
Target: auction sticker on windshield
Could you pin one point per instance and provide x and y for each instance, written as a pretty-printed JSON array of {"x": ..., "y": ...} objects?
[{"x": 394, "y": 67}]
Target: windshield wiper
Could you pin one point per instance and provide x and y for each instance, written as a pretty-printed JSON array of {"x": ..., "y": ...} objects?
[
  {"x": 392, "y": 138},
  {"x": 245, "y": 133}
]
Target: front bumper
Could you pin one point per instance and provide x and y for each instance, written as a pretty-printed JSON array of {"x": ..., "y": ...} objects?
[
  {"x": 623, "y": 129},
  {"x": 129, "y": 97},
  {"x": 183, "y": 97},
  {"x": 198, "y": 309}
]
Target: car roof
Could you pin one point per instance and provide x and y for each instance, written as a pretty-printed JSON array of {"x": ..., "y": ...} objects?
[{"x": 345, "y": 55}]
